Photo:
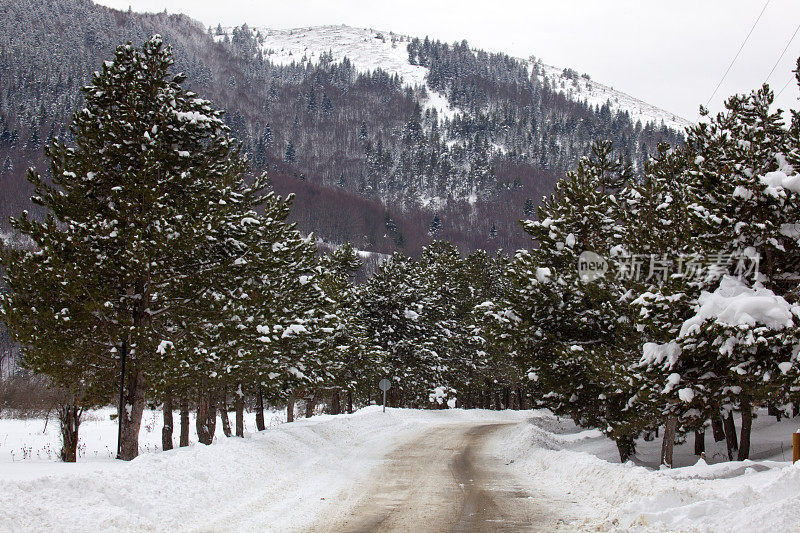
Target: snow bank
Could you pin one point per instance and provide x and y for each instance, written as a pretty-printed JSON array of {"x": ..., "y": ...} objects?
[
  {"x": 283, "y": 478},
  {"x": 566, "y": 464},
  {"x": 275, "y": 480}
]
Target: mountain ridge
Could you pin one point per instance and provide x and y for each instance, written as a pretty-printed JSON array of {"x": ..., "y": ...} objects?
[{"x": 363, "y": 47}]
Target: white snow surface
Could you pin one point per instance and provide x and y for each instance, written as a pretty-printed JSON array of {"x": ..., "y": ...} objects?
[
  {"x": 276, "y": 480},
  {"x": 598, "y": 94},
  {"x": 777, "y": 180},
  {"x": 580, "y": 469},
  {"x": 367, "y": 51},
  {"x": 282, "y": 478},
  {"x": 735, "y": 303}
]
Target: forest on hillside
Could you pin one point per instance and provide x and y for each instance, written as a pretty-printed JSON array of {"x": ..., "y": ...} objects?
[{"x": 367, "y": 165}]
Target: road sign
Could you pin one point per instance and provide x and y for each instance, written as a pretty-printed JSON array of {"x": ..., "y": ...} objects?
[{"x": 384, "y": 385}]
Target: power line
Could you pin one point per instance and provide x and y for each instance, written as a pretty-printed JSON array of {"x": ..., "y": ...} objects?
[
  {"x": 784, "y": 87},
  {"x": 782, "y": 53},
  {"x": 737, "y": 54}
]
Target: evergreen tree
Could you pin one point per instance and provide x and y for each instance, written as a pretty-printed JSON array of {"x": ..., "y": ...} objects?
[
  {"x": 355, "y": 361},
  {"x": 530, "y": 208},
  {"x": 568, "y": 329},
  {"x": 133, "y": 208},
  {"x": 392, "y": 308},
  {"x": 436, "y": 226},
  {"x": 289, "y": 156},
  {"x": 743, "y": 199}
]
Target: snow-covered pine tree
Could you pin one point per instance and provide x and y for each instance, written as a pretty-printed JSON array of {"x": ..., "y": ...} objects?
[
  {"x": 46, "y": 312},
  {"x": 354, "y": 361},
  {"x": 660, "y": 243},
  {"x": 486, "y": 365},
  {"x": 274, "y": 338},
  {"x": 575, "y": 335},
  {"x": 203, "y": 360},
  {"x": 132, "y": 208},
  {"x": 447, "y": 304},
  {"x": 745, "y": 199},
  {"x": 392, "y": 308},
  {"x": 436, "y": 227}
]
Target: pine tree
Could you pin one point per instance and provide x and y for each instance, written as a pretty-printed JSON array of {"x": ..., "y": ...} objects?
[
  {"x": 743, "y": 200},
  {"x": 660, "y": 249},
  {"x": 392, "y": 308},
  {"x": 133, "y": 207},
  {"x": 568, "y": 329},
  {"x": 485, "y": 366},
  {"x": 530, "y": 208},
  {"x": 355, "y": 362},
  {"x": 436, "y": 226},
  {"x": 289, "y": 156}
]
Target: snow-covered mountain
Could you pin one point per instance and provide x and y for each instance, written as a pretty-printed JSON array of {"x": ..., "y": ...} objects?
[
  {"x": 369, "y": 50},
  {"x": 356, "y": 142}
]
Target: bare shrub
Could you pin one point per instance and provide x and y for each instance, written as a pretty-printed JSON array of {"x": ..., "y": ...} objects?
[{"x": 28, "y": 396}]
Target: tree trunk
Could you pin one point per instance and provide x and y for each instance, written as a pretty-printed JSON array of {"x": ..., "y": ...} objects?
[
  {"x": 626, "y": 448},
  {"x": 747, "y": 425},
  {"x": 668, "y": 444},
  {"x": 184, "y": 422},
  {"x": 521, "y": 396},
  {"x": 206, "y": 415},
  {"x": 772, "y": 410},
  {"x": 166, "y": 431},
  {"x": 349, "y": 401},
  {"x": 69, "y": 415},
  {"x": 336, "y": 402},
  {"x": 310, "y": 403},
  {"x": 223, "y": 413},
  {"x": 131, "y": 418},
  {"x": 699, "y": 442},
  {"x": 795, "y": 409},
  {"x": 260, "y": 411},
  {"x": 238, "y": 405},
  {"x": 290, "y": 408},
  {"x": 717, "y": 428},
  {"x": 730, "y": 435}
]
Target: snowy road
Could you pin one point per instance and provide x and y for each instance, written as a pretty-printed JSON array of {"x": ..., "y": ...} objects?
[
  {"x": 443, "y": 480},
  {"x": 408, "y": 470}
]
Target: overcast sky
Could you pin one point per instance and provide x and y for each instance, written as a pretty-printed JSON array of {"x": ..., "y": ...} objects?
[{"x": 671, "y": 54}]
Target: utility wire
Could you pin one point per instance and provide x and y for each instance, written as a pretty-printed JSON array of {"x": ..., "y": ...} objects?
[
  {"x": 782, "y": 53},
  {"x": 784, "y": 87},
  {"x": 737, "y": 53}
]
